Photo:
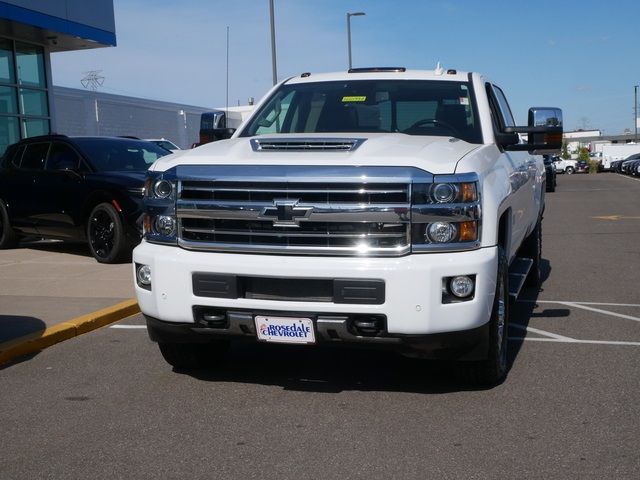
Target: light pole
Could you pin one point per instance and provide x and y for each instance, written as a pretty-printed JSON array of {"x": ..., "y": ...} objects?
[
  {"x": 635, "y": 107},
  {"x": 349, "y": 15}
]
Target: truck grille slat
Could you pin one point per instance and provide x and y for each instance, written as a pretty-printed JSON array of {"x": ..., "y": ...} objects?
[
  {"x": 332, "y": 218},
  {"x": 304, "y": 192}
]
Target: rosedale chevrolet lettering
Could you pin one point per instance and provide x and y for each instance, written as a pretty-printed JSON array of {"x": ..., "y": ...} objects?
[{"x": 393, "y": 208}]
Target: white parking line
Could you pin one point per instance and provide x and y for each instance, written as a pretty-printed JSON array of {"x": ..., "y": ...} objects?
[
  {"x": 541, "y": 332},
  {"x": 583, "y": 306},
  {"x": 571, "y": 340},
  {"x": 128, "y": 327}
]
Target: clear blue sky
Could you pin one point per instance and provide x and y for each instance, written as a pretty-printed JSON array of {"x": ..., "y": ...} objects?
[{"x": 580, "y": 55}]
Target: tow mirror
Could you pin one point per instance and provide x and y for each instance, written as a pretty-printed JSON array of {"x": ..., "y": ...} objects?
[{"x": 544, "y": 132}]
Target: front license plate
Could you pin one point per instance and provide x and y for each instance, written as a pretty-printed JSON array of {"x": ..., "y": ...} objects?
[{"x": 285, "y": 329}]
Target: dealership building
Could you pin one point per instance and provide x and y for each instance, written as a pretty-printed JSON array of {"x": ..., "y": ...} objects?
[{"x": 30, "y": 31}]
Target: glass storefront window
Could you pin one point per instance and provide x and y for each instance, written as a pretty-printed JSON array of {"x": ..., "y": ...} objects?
[
  {"x": 32, "y": 127},
  {"x": 8, "y": 102},
  {"x": 24, "y": 92},
  {"x": 6, "y": 61},
  {"x": 9, "y": 132},
  {"x": 34, "y": 102},
  {"x": 30, "y": 62}
]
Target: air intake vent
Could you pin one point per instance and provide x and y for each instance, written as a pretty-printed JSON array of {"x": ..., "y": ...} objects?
[{"x": 305, "y": 144}]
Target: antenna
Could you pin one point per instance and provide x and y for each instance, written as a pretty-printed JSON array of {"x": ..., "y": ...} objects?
[
  {"x": 439, "y": 70},
  {"x": 92, "y": 80}
]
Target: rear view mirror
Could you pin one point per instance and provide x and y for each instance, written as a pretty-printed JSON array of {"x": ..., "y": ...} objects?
[{"x": 544, "y": 132}]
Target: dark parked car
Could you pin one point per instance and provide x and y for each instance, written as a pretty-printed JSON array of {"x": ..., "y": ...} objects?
[
  {"x": 630, "y": 164},
  {"x": 76, "y": 188},
  {"x": 582, "y": 167},
  {"x": 550, "y": 174}
]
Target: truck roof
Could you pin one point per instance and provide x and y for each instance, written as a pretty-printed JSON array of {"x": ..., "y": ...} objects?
[{"x": 381, "y": 74}]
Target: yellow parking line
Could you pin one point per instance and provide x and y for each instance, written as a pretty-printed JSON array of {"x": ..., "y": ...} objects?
[{"x": 34, "y": 342}]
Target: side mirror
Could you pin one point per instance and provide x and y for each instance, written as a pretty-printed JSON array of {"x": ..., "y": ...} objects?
[
  {"x": 544, "y": 132},
  {"x": 223, "y": 133}
]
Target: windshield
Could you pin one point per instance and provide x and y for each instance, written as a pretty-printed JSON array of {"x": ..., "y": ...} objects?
[
  {"x": 120, "y": 154},
  {"x": 166, "y": 144},
  {"x": 413, "y": 107}
]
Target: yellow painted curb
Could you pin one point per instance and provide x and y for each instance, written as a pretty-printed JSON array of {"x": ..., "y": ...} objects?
[{"x": 42, "y": 339}]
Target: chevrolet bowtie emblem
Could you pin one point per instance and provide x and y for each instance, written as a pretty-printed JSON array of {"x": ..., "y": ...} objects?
[{"x": 285, "y": 213}]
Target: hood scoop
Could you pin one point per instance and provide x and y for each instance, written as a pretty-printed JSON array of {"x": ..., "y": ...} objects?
[{"x": 297, "y": 144}]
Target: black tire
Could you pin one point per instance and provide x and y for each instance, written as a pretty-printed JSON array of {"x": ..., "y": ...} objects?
[
  {"x": 491, "y": 372},
  {"x": 532, "y": 248},
  {"x": 551, "y": 186},
  {"x": 105, "y": 233},
  {"x": 194, "y": 355},
  {"x": 569, "y": 170},
  {"x": 8, "y": 238}
]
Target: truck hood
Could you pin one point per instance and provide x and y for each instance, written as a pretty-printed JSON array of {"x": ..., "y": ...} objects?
[{"x": 437, "y": 155}]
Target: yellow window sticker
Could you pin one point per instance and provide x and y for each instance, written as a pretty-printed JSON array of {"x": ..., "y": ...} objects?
[{"x": 354, "y": 98}]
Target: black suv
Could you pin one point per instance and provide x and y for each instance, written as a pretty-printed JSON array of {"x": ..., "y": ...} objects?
[{"x": 76, "y": 188}]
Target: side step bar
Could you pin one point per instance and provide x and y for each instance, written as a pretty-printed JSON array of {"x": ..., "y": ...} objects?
[{"x": 518, "y": 271}]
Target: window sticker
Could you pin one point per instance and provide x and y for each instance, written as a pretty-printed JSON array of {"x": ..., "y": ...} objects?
[
  {"x": 464, "y": 101},
  {"x": 354, "y": 98}
]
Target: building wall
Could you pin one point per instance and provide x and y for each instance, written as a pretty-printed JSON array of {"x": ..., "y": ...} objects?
[{"x": 83, "y": 112}]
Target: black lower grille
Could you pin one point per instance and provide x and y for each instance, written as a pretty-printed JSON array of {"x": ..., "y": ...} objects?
[{"x": 344, "y": 291}]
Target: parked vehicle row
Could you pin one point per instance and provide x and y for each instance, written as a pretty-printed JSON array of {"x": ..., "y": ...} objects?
[
  {"x": 628, "y": 166},
  {"x": 86, "y": 189}
]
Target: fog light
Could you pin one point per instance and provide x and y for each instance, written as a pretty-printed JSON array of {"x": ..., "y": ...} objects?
[
  {"x": 162, "y": 188},
  {"x": 143, "y": 275},
  {"x": 441, "y": 232},
  {"x": 461, "y": 286},
  {"x": 165, "y": 225}
]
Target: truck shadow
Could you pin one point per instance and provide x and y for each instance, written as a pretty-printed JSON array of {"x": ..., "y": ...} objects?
[
  {"x": 526, "y": 308},
  {"x": 331, "y": 370}
]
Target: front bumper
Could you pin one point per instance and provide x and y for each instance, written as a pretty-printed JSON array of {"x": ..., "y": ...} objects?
[{"x": 413, "y": 303}]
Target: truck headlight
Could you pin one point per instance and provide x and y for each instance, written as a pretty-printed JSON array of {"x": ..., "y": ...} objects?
[
  {"x": 165, "y": 225},
  {"x": 441, "y": 232},
  {"x": 446, "y": 213},
  {"x": 162, "y": 188}
]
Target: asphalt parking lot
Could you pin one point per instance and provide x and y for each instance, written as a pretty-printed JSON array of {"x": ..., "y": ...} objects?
[{"x": 105, "y": 405}]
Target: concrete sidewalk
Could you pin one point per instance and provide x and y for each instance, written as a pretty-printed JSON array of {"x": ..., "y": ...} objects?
[{"x": 44, "y": 284}]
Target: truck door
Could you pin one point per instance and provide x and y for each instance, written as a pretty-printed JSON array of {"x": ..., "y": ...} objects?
[{"x": 523, "y": 171}]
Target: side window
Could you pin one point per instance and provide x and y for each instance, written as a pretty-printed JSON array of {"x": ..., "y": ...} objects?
[
  {"x": 34, "y": 156},
  {"x": 503, "y": 105},
  {"x": 62, "y": 157}
]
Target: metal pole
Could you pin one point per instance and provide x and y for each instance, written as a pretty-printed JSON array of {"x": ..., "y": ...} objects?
[
  {"x": 226, "y": 113},
  {"x": 273, "y": 43},
  {"x": 349, "y": 15},
  {"x": 349, "y": 37},
  {"x": 635, "y": 106}
]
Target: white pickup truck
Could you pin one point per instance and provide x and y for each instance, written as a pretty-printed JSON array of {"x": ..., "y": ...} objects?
[{"x": 377, "y": 206}]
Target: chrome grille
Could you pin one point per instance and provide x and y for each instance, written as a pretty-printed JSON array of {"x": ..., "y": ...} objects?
[{"x": 331, "y": 218}]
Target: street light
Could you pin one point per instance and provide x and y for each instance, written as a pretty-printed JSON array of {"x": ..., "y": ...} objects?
[
  {"x": 635, "y": 107},
  {"x": 349, "y": 15}
]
